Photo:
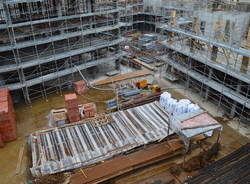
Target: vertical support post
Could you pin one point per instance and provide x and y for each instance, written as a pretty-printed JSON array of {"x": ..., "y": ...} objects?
[
  {"x": 15, "y": 52},
  {"x": 188, "y": 77},
  {"x": 207, "y": 88},
  {"x": 233, "y": 109}
]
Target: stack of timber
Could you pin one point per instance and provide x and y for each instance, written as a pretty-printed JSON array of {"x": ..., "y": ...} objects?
[
  {"x": 140, "y": 101},
  {"x": 93, "y": 140},
  {"x": 144, "y": 64},
  {"x": 123, "y": 164},
  {"x": 232, "y": 169},
  {"x": 117, "y": 78}
]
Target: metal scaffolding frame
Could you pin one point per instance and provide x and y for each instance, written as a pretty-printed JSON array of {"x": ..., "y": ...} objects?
[
  {"x": 42, "y": 40},
  {"x": 213, "y": 67}
]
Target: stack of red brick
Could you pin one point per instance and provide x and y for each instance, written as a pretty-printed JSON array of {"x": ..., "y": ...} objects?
[
  {"x": 72, "y": 107},
  {"x": 80, "y": 87},
  {"x": 7, "y": 117},
  {"x": 89, "y": 110}
]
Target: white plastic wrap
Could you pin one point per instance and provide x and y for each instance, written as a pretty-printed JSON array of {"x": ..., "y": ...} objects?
[
  {"x": 184, "y": 101},
  {"x": 177, "y": 108},
  {"x": 193, "y": 107},
  {"x": 164, "y": 98},
  {"x": 171, "y": 105}
]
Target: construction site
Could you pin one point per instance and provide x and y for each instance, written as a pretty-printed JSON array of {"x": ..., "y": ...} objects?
[{"x": 125, "y": 91}]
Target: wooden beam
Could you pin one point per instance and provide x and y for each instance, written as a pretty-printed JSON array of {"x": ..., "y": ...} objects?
[
  {"x": 144, "y": 64},
  {"x": 117, "y": 78},
  {"x": 20, "y": 158}
]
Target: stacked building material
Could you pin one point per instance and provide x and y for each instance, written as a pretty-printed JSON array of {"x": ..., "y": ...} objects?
[
  {"x": 97, "y": 139},
  {"x": 72, "y": 107},
  {"x": 89, "y": 110},
  {"x": 140, "y": 101},
  {"x": 7, "y": 117},
  {"x": 125, "y": 163},
  {"x": 1, "y": 142},
  {"x": 80, "y": 87},
  {"x": 233, "y": 168}
]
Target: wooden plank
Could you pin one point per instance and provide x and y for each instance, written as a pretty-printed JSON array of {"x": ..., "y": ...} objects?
[
  {"x": 125, "y": 163},
  {"x": 144, "y": 64},
  {"x": 20, "y": 158},
  {"x": 121, "y": 77}
]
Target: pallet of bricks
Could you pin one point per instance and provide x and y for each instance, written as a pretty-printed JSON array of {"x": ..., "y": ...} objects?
[
  {"x": 72, "y": 107},
  {"x": 89, "y": 110},
  {"x": 7, "y": 117},
  {"x": 80, "y": 87}
]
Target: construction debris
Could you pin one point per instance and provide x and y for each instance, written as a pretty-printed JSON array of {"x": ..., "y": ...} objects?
[
  {"x": 85, "y": 143},
  {"x": 202, "y": 160}
]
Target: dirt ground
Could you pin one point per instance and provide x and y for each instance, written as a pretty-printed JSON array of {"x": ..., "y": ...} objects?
[{"x": 33, "y": 117}]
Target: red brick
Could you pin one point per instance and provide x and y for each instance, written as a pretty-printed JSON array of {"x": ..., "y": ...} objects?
[
  {"x": 80, "y": 87},
  {"x": 1, "y": 141},
  {"x": 70, "y": 97}
]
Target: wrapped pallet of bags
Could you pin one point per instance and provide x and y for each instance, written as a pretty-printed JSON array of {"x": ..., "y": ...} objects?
[
  {"x": 193, "y": 107},
  {"x": 182, "y": 107},
  {"x": 164, "y": 98},
  {"x": 184, "y": 101},
  {"x": 171, "y": 105}
]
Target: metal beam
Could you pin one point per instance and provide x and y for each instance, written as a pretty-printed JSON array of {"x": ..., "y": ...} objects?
[
  {"x": 47, "y": 59},
  {"x": 208, "y": 82},
  {"x": 62, "y": 73},
  {"x": 28, "y": 23},
  {"x": 57, "y": 38},
  {"x": 218, "y": 66},
  {"x": 238, "y": 50}
]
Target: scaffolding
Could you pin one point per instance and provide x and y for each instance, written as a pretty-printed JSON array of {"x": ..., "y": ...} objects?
[
  {"x": 209, "y": 57},
  {"x": 42, "y": 41},
  {"x": 214, "y": 61}
]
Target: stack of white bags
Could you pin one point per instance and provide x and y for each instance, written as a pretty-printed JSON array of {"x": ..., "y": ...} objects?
[{"x": 177, "y": 107}]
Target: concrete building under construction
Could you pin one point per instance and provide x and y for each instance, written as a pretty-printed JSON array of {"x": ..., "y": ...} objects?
[
  {"x": 43, "y": 41},
  {"x": 198, "y": 51}
]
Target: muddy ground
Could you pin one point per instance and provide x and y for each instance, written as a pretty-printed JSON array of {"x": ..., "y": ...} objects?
[{"x": 33, "y": 117}]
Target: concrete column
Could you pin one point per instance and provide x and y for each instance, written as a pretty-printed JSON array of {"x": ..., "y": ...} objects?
[
  {"x": 117, "y": 64},
  {"x": 192, "y": 45},
  {"x": 214, "y": 53},
  {"x": 244, "y": 64},
  {"x": 173, "y": 24}
]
